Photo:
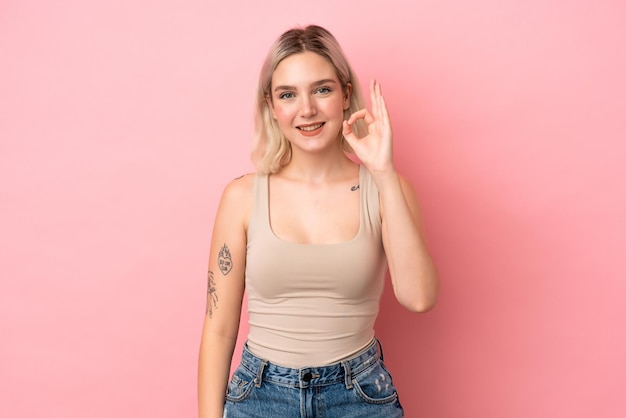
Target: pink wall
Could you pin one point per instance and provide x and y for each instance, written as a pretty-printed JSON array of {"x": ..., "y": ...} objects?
[{"x": 121, "y": 121}]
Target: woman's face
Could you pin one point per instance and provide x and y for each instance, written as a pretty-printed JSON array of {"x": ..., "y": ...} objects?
[{"x": 308, "y": 102}]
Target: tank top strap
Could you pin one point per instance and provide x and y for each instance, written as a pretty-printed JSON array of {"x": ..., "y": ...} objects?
[
  {"x": 260, "y": 204},
  {"x": 370, "y": 204}
]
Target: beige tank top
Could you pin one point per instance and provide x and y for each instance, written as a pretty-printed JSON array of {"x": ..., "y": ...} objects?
[{"x": 313, "y": 305}]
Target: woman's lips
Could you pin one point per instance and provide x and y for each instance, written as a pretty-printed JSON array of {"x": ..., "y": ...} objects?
[{"x": 310, "y": 130}]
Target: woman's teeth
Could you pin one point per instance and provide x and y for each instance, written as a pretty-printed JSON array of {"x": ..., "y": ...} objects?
[{"x": 311, "y": 127}]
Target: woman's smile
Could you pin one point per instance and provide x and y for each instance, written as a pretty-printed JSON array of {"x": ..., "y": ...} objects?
[{"x": 310, "y": 130}]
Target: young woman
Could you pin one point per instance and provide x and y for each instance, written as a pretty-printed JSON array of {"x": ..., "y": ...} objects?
[{"x": 310, "y": 236}]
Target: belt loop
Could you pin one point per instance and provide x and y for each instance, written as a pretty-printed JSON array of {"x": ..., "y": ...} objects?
[
  {"x": 259, "y": 375},
  {"x": 380, "y": 347},
  {"x": 348, "y": 373}
]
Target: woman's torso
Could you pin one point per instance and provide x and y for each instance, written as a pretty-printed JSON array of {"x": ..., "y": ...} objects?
[{"x": 313, "y": 304}]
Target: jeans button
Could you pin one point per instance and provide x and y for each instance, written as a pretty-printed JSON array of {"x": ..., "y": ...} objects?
[{"x": 307, "y": 377}]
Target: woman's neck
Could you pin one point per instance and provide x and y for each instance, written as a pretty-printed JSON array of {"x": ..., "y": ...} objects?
[{"x": 317, "y": 169}]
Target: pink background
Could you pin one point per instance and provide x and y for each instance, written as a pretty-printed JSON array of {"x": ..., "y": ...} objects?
[{"x": 121, "y": 122}]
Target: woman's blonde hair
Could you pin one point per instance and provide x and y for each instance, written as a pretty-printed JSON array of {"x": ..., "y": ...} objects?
[{"x": 271, "y": 150}]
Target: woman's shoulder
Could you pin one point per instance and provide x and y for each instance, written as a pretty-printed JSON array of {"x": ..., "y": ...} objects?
[
  {"x": 236, "y": 201},
  {"x": 239, "y": 189}
]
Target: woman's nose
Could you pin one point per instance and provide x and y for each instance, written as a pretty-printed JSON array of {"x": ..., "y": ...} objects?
[{"x": 307, "y": 108}]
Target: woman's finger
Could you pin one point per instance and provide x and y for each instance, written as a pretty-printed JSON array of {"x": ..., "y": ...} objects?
[
  {"x": 361, "y": 114},
  {"x": 380, "y": 104},
  {"x": 385, "y": 113},
  {"x": 348, "y": 133},
  {"x": 373, "y": 98},
  {"x": 382, "y": 114},
  {"x": 347, "y": 129}
]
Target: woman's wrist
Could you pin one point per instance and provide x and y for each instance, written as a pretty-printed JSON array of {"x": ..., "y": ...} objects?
[{"x": 385, "y": 178}]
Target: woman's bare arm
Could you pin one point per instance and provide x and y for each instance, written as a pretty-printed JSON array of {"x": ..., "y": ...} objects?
[
  {"x": 225, "y": 289},
  {"x": 413, "y": 274}
]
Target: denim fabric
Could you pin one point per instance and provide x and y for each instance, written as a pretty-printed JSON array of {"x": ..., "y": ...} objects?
[{"x": 358, "y": 387}]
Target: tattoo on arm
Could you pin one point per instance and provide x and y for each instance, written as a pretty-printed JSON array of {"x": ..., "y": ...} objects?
[
  {"x": 225, "y": 260},
  {"x": 211, "y": 296}
]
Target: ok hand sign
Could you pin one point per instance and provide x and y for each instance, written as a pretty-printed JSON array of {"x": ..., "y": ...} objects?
[{"x": 374, "y": 149}]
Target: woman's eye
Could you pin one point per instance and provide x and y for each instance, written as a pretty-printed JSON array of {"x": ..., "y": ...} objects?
[
  {"x": 323, "y": 90},
  {"x": 286, "y": 95}
]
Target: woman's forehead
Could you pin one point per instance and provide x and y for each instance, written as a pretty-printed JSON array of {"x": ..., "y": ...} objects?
[{"x": 303, "y": 68}]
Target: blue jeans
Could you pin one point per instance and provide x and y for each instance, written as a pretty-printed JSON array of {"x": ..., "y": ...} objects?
[{"x": 357, "y": 387}]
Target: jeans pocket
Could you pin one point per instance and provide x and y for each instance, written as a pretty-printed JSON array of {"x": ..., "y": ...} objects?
[
  {"x": 240, "y": 385},
  {"x": 375, "y": 385}
]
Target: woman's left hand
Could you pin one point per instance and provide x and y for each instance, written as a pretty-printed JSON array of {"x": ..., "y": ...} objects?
[{"x": 375, "y": 149}]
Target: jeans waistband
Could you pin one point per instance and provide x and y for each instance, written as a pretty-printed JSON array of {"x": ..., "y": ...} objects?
[{"x": 342, "y": 371}]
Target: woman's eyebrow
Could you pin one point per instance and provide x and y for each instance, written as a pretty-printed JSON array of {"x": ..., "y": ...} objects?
[
  {"x": 324, "y": 81},
  {"x": 314, "y": 84}
]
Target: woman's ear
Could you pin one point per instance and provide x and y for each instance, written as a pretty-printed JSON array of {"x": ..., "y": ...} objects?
[{"x": 347, "y": 94}]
